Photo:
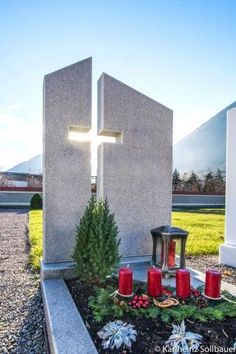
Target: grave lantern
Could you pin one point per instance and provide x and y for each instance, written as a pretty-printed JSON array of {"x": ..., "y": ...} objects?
[{"x": 169, "y": 249}]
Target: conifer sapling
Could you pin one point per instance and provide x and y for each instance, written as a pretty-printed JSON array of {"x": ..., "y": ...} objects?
[{"x": 96, "y": 251}]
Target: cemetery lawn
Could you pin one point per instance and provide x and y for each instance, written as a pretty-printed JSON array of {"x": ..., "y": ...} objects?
[
  {"x": 205, "y": 227},
  {"x": 35, "y": 227}
]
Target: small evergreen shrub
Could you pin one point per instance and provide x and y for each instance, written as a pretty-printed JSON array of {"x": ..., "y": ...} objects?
[
  {"x": 36, "y": 202},
  {"x": 96, "y": 250}
]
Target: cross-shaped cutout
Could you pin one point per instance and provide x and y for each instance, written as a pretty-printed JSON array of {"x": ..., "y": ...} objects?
[{"x": 83, "y": 134}]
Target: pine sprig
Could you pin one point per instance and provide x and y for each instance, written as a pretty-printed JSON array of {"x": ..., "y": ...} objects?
[{"x": 104, "y": 308}]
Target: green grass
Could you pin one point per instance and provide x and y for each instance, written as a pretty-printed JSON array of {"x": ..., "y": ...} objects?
[
  {"x": 205, "y": 227},
  {"x": 35, "y": 227}
]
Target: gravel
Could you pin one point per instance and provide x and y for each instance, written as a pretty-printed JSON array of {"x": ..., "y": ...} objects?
[
  {"x": 21, "y": 309},
  {"x": 202, "y": 263}
]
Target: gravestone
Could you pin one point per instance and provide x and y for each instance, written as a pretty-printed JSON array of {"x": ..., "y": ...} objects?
[
  {"x": 228, "y": 249},
  {"x": 134, "y": 173},
  {"x": 66, "y": 164}
]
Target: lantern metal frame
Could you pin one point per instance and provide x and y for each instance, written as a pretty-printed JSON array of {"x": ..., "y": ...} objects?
[{"x": 161, "y": 237}]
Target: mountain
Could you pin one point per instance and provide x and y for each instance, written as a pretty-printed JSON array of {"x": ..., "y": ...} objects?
[
  {"x": 205, "y": 148},
  {"x": 34, "y": 166}
]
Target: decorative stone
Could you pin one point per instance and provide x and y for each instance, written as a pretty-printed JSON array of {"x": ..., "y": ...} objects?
[
  {"x": 135, "y": 173},
  {"x": 67, "y": 169}
]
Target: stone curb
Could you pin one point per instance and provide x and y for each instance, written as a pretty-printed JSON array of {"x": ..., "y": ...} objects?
[{"x": 66, "y": 330}]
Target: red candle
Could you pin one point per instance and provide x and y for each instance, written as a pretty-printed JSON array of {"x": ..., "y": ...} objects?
[
  {"x": 171, "y": 259},
  {"x": 154, "y": 282},
  {"x": 183, "y": 289},
  {"x": 171, "y": 255},
  {"x": 212, "y": 284},
  {"x": 125, "y": 281}
]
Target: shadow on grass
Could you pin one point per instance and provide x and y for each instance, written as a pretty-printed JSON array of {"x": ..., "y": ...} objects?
[{"x": 201, "y": 211}]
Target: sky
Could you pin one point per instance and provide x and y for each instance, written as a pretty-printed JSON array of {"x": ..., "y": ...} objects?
[{"x": 181, "y": 53}]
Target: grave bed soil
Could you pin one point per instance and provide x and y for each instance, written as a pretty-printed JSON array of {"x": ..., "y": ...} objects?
[{"x": 152, "y": 333}]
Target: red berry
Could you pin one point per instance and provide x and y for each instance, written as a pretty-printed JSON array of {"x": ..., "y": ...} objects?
[
  {"x": 145, "y": 306},
  {"x": 140, "y": 298},
  {"x": 136, "y": 298}
]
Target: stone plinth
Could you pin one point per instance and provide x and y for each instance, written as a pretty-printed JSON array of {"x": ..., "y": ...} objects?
[{"x": 228, "y": 249}]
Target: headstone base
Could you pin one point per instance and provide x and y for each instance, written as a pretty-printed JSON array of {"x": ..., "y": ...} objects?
[
  {"x": 63, "y": 270},
  {"x": 227, "y": 255},
  {"x": 66, "y": 270}
]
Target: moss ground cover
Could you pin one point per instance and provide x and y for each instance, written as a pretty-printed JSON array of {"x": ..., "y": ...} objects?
[
  {"x": 35, "y": 227},
  {"x": 206, "y": 229}
]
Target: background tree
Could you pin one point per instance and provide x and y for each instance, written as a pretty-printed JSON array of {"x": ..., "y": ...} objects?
[
  {"x": 36, "y": 202},
  {"x": 193, "y": 183},
  {"x": 219, "y": 181},
  {"x": 209, "y": 183},
  {"x": 176, "y": 180},
  {"x": 184, "y": 178}
]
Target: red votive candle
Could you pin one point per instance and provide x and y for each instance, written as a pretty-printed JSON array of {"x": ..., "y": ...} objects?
[
  {"x": 171, "y": 259},
  {"x": 212, "y": 284},
  {"x": 125, "y": 281},
  {"x": 171, "y": 256},
  {"x": 154, "y": 282},
  {"x": 183, "y": 289}
]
